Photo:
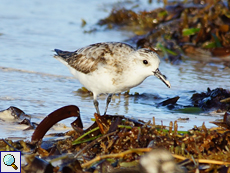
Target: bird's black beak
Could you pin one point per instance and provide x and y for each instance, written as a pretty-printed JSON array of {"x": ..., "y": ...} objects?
[{"x": 162, "y": 77}]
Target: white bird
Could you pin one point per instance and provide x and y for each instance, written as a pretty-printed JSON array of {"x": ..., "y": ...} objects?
[{"x": 111, "y": 67}]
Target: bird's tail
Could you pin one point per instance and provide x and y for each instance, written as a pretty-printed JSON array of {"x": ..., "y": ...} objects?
[{"x": 62, "y": 54}]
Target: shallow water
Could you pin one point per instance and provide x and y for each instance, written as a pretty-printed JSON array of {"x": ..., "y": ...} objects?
[{"x": 35, "y": 82}]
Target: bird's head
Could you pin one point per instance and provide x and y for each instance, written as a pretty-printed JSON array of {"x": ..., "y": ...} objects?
[{"x": 148, "y": 63}]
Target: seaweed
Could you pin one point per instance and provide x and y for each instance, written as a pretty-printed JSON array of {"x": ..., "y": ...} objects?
[
  {"x": 194, "y": 29},
  {"x": 115, "y": 143}
]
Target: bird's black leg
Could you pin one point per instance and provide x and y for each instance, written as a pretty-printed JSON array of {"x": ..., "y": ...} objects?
[
  {"x": 95, "y": 102},
  {"x": 107, "y": 102}
]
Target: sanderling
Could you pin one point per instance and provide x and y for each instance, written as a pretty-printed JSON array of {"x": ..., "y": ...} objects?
[{"x": 111, "y": 67}]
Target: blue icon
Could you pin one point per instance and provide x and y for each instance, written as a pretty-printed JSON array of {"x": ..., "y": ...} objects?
[{"x": 9, "y": 160}]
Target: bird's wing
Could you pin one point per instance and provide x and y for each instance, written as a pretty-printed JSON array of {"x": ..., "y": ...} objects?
[{"x": 86, "y": 59}]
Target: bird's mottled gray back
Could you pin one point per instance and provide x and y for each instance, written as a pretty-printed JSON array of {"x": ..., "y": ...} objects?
[
  {"x": 87, "y": 58},
  {"x": 103, "y": 49}
]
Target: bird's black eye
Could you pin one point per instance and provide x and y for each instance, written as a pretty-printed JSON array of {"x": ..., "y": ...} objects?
[{"x": 145, "y": 61}]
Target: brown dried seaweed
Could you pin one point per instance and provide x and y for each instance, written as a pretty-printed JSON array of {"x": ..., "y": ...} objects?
[
  {"x": 121, "y": 141},
  {"x": 188, "y": 25}
]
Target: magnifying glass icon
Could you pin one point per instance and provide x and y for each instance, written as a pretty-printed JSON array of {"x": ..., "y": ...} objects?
[{"x": 9, "y": 160}]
